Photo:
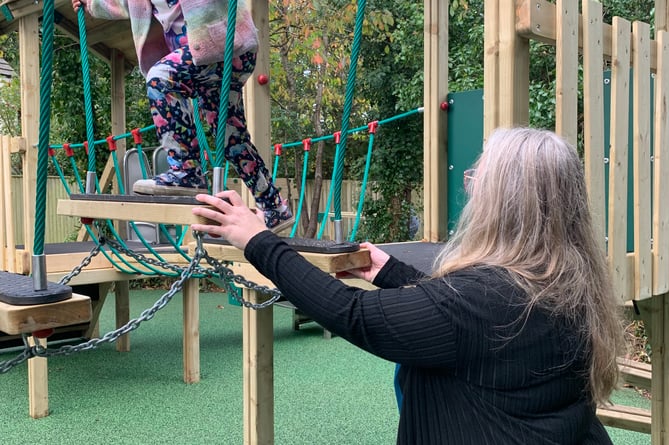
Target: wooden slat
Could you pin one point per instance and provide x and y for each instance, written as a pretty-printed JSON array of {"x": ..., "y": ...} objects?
[
  {"x": 566, "y": 60},
  {"x": 191, "y": 330},
  {"x": 661, "y": 170},
  {"x": 641, "y": 151},
  {"x": 618, "y": 156},
  {"x": 593, "y": 110},
  {"x": 4, "y": 154},
  {"x": 31, "y": 318},
  {"x": 628, "y": 418},
  {"x": 38, "y": 383}
]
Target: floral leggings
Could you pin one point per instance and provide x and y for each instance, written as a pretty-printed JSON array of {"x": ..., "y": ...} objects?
[{"x": 171, "y": 84}]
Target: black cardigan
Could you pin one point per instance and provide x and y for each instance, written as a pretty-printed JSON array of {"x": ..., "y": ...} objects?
[{"x": 474, "y": 369}]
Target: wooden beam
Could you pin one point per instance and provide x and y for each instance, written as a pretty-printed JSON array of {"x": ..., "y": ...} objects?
[
  {"x": 130, "y": 211},
  {"x": 625, "y": 417},
  {"x": 536, "y": 20},
  {"x": 514, "y": 69}
]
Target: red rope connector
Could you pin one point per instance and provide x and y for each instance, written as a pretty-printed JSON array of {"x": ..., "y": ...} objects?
[
  {"x": 68, "y": 150},
  {"x": 111, "y": 143},
  {"x": 52, "y": 152},
  {"x": 337, "y": 137},
  {"x": 277, "y": 149},
  {"x": 136, "y": 136},
  {"x": 444, "y": 106},
  {"x": 373, "y": 126},
  {"x": 86, "y": 146},
  {"x": 306, "y": 143},
  {"x": 86, "y": 221},
  {"x": 43, "y": 333}
]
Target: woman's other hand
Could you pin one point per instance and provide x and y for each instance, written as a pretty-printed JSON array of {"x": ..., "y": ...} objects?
[
  {"x": 229, "y": 218},
  {"x": 378, "y": 257}
]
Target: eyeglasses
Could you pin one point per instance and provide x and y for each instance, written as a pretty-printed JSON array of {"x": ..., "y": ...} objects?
[{"x": 469, "y": 177}]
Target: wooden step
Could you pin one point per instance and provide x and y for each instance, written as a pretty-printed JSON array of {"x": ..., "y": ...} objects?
[
  {"x": 625, "y": 417},
  {"x": 635, "y": 373}
]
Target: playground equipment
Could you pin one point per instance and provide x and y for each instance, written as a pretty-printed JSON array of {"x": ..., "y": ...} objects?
[{"x": 637, "y": 62}]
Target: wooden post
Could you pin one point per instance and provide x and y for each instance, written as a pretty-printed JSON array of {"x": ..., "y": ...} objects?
[
  {"x": 191, "y": 335},
  {"x": 435, "y": 159},
  {"x": 122, "y": 306},
  {"x": 490, "y": 67},
  {"x": 38, "y": 383},
  {"x": 257, "y": 98},
  {"x": 29, "y": 71},
  {"x": 258, "y": 372}
]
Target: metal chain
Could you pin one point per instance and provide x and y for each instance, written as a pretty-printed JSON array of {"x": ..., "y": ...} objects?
[{"x": 220, "y": 270}]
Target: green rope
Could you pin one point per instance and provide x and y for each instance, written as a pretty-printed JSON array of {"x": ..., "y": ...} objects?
[
  {"x": 348, "y": 102},
  {"x": 46, "y": 80},
  {"x": 302, "y": 191},
  {"x": 88, "y": 103},
  {"x": 225, "y": 84},
  {"x": 363, "y": 187},
  {"x": 326, "y": 212}
]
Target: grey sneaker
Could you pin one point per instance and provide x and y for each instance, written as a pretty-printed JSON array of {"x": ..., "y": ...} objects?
[
  {"x": 279, "y": 218},
  {"x": 174, "y": 182}
]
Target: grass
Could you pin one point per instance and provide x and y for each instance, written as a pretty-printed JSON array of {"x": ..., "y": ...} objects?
[{"x": 326, "y": 391}]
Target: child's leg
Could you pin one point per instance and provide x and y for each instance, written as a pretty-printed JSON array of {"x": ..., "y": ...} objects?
[
  {"x": 239, "y": 150},
  {"x": 170, "y": 88}
]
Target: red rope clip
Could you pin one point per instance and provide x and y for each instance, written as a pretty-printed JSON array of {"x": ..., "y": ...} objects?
[
  {"x": 136, "y": 136},
  {"x": 68, "y": 150},
  {"x": 337, "y": 137},
  {"x": 306, "y": 143},
  {"x": 111, "y": 143},
  {"x": 86, "y": 221},
  {"x": 43, "y": 333},
  {"x": 86, "y": 146},
  {"x": 52, "y": 152},
  {"x": 277, "y": 149},
  {"x": 372, "y": 126}
]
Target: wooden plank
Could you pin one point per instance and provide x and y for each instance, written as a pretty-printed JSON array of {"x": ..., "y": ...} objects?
[
  {"x": 330, "y": 263},
  {"x": 593, "y": 110},
  {"x": 566, "y": 60},
  {"x": 661, "y": 15},
  {"x": 628, "y": 418},
  {"x": 617, "y": 232},
  {"x": 661, "y": 170},
  {"x": 95, "y": 276},
  {"x": 258, "y": 371},
  {"x": 31, "y": 318},
  {"x": 643, "y": 272}
]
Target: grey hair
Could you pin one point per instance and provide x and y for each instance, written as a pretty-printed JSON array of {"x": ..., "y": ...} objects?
[{"x": 528, "y": 213}]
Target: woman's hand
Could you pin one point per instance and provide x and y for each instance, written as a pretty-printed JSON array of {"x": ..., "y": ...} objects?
[
  {"x": 229, "y": 218},
  {"x": 76, "y": 4},
  {"x": 378, "y": 257}
]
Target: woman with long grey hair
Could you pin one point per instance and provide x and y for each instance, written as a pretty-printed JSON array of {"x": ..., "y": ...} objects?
[{"x": 512, "y": 340}]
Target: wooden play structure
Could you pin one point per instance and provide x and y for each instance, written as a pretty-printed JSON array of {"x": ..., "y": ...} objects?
[{"x": 627, "y": 163}]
